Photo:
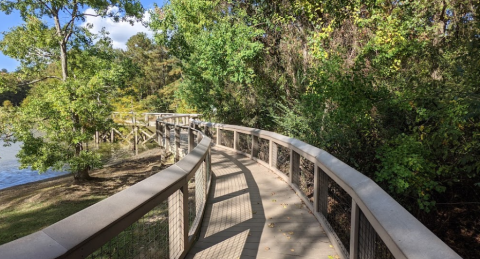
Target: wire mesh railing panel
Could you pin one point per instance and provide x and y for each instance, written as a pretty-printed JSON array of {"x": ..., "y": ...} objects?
[
  {"x": 322, "y": 194},
  {"x": 171, "y": 137},
  {"x": 146, "y": 238},
  {"x": 227, "y": 138},
  {"x": 211, "y": 133},
  {"x": 339, "y": 209},
  {"x": 245, "y": 143},
  {"x": 196, "y": 199},
  {"x": 307, "y": 171},
  {"x": 192, "y": 202},
  {"x": 263, "y": 150},
  {"x": 370, "y": 245},
  {"x": 195, "y": 138},
  {"x": 175, "y": 223},
  {"x": 283, "y": 159}
]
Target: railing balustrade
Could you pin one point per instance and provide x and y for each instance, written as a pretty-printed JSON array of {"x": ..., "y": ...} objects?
[
  {"x": 158, "y": 217},
  {"x": 361, "y": 220}
]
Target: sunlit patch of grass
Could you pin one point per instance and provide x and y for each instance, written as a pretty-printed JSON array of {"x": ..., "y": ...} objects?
[{"x": 33, "y": 216}]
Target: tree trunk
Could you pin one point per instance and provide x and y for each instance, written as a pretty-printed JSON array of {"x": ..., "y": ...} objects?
[
  {"x": 82, "y": 175},
  {"x": 63, "y": 44},
  {"x": 63, "y": 57}
]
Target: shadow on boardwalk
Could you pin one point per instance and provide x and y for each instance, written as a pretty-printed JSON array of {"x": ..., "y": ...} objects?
[{"x": 251, "y": 213}]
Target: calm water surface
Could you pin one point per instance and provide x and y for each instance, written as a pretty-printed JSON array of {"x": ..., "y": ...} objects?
[{"x": 10, "y": 175}]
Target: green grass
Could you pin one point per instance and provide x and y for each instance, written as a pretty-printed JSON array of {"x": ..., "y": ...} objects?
[{"x": 32, "y": 216}]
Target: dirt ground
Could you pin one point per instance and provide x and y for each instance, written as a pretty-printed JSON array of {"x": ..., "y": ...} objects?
[{"x": 105, "y": 182}]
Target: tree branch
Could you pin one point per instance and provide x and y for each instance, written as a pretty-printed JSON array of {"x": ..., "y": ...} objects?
[
  {"x": 46, "y": 6},
  {"x": 70, "y": 24},
  {"x": 38, "y": 80}
]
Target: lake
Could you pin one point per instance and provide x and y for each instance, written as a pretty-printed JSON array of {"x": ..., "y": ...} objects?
[{"x": 10, "y": 175}]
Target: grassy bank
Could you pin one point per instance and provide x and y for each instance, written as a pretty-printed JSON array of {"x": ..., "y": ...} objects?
[{"x": 31, "y": 207}]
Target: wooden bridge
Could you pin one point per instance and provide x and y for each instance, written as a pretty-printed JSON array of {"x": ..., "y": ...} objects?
[{"x": 239, "y": 193}]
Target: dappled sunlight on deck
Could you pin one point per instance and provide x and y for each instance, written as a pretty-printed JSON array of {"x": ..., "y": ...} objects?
[{"x": 252, "y": 213}]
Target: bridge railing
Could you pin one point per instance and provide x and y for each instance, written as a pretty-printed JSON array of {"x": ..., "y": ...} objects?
[
  {"x": 158, "y": 217},
  {"x": 149, "y": 118},
  {"x": 360, "y": 218}
]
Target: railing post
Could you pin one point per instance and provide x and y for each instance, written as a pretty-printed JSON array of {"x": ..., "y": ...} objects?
[
  {"x": 167, "y": 138},
  {"x": 294, "y": 167},
  {"x": 199, "y": 135},
  {"x": 316, "y": 186},
  {"x": 219, "y": 136},
  {"x": 177, "y": 143},
  {"x": 135, "y": 133},
  {"x": 206, "y": 130},
  {"x": 159, "y": 134},
  {"x": 191, "y": 145},
  {"x": 354, "y": 230},
  {"x": 255, "y": 146},
  {"x": 235, "y": 140},
  {"x": 272, "y": 152}
]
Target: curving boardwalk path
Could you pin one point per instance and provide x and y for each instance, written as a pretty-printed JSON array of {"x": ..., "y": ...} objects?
[{"x": 252, "y": 213}]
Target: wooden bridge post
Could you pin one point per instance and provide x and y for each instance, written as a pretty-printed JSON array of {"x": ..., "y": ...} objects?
[
  {"x": 135, "y": 134},
  {"x": 219, "y": 136},
  {"x": 159, "y": 133},
  {"x": 199, "y": 135},
  {"x": 167, "y": 138},
  {"x": 207, "y": 132},
  {"x": 255, "y": 146},
  {"x": 354, "y": 230},
  {"x": 272, "y": 150},
  {"x": 316, "y": 186},
  {"x": 177, "y": 143},
  {"x": 190, "y": 139},
  {"x": 235, "y": 140}
]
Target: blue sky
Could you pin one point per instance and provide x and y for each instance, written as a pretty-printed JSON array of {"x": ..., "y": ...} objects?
[{"x": 119, "y": 32}]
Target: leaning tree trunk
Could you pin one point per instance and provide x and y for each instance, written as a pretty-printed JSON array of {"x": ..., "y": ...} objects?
[{"x": 82, "y": 174}]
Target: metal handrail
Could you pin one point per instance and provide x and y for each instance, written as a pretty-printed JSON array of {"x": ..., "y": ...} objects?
[
  {"x": 84, "y": 232},
  {"x": 401, "y": 232}
]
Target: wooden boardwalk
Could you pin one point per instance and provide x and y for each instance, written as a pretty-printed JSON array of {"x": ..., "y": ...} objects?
[{"x": 252, "y": 213}]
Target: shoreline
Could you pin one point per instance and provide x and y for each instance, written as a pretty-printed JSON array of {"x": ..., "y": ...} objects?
[
  {"x": 56, "y": 198},
  {"x": 62, "y": 178}
]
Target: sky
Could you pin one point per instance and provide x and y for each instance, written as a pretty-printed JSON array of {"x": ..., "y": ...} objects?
[{"x": 119, "y": 32}]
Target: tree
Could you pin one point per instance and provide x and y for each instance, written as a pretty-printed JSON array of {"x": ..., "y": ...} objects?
[
  {"x": 72, "y": 78},
  {"x": 369, "y": 81},
  {"x": 152, "y": 89}
]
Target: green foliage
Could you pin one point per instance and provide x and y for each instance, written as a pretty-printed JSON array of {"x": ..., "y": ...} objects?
[
  {"x": 152, "y": 87},
  {"x": 72, "y": 80},
  {"x": 388, "y": 87}
]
